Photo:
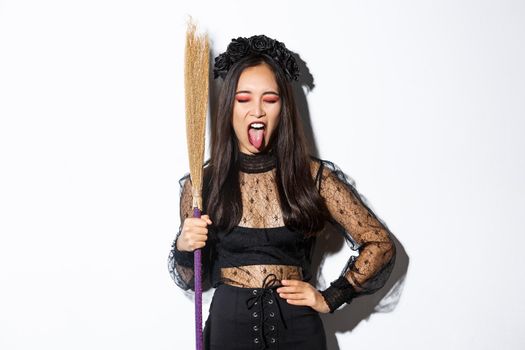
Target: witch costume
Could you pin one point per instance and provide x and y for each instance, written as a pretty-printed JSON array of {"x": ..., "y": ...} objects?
[{"x": 246, "y": 264}]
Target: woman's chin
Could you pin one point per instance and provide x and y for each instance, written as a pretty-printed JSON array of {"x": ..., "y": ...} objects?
[
  {"x": 261, "y": 149},
  {"x": 252, "y": 149}
]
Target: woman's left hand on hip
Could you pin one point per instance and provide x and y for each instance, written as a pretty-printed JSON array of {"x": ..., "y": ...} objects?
[{"x": 298, "y": 292}]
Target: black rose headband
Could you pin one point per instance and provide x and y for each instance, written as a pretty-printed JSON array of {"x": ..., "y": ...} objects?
[{"x": 257, "y": 44}]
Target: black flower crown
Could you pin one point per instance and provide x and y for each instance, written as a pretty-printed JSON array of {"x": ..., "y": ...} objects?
[{"x": 257, "y": 44}]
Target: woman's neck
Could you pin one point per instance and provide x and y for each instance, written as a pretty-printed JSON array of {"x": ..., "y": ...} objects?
[{"x": 256, "y": 163}]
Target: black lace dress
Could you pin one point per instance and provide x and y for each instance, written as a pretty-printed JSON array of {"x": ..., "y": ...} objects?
[{"x": 246, "y": 264}]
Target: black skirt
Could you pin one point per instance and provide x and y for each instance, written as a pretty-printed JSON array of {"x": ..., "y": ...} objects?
[{"x": 257, "y": 318}]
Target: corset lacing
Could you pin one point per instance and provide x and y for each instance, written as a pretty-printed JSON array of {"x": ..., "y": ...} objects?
[{"x": 266, "y": 299}]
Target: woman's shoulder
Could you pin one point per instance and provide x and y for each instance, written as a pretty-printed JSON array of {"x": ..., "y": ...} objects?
[
  {"x": 325, "y": 170},
  {"x": 320, "y": 166}
]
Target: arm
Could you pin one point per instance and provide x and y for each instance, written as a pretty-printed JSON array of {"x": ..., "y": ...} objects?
[
  {"x": 369, "y": 271},
  {"x": 180, "y": 263}
]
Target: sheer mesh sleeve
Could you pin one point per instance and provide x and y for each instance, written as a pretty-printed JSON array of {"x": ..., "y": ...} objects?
[
  {"x": 367, "y": 272},
  {"x": 180, "y": 263}
]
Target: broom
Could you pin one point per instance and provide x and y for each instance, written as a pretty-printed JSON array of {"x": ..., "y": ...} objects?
[{"x": 196, "y": 95}]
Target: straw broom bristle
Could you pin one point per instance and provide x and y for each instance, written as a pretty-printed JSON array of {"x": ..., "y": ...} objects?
[{"x": 196, "y": 94}]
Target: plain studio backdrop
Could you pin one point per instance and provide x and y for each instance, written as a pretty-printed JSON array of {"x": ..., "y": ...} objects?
[{"x": 422, "y": 103}]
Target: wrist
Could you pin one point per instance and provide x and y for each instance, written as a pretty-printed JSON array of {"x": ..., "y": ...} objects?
[
  {"x": 182, "y": 257},
  {"x": 178, "y": 246},
  {"x": 322, "y": 305},
  {"x": 339, "y": 293}
]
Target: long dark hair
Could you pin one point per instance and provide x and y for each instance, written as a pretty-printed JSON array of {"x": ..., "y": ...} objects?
[{"x": 301, "y": 204}]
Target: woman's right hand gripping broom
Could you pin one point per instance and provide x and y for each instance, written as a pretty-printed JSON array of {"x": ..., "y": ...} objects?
[{"x": 194, "y": 233}]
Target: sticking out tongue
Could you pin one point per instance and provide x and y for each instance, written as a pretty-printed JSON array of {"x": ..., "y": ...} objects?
[{"x": 256, "y": 137}]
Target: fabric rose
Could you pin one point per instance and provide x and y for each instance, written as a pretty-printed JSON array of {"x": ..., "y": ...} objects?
[
  {"x": 238, "y": 48},
  {"x": 261, "y": 43},
  {"x": 256, "y": 45},
  {"x": 291, "y": 68},
  {"x": 222, "y": 65}
]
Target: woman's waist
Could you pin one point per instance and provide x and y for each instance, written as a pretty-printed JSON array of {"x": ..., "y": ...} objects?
[
  {"x": 260, "y": 255},
  {"x": 258, "y": 276}
]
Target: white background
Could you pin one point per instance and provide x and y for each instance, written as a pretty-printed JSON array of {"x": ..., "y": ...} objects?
[{"x": 422, "y": 103}]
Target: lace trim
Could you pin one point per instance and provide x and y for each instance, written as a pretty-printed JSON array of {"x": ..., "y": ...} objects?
[
  {"x": 252, "y": 276},
  {"x": 257, "y": 163}
]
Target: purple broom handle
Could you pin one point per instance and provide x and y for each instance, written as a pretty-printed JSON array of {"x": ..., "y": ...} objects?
[{"x": 198, "y": 290}]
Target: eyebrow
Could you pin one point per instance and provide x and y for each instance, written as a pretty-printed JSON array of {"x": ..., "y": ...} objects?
[{"x": 249, "y": 92}]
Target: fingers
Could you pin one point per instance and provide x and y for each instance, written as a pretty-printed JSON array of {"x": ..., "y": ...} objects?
[
  {"x": 303, "y": 302},
  {"x": 292, "y": 296},
  {"x": 318, "y": 305},
  {"x": 289, "y": 290},
  {"x": 200, "y": 222},
  {"x": 206, "y": 218},
  {"x": 195, "y": 241},
  {"x": 292, "y": 282},
  {"x": 197, "y": 245},
  {"x": 292, "y": 293},
  {"x": 295, "y": 291},
  {"x": 203, "y": 221},
  {"x": 200, "y": 237},
  {"x": 195, "y": 230},
  {"x": 293, "y": 286},
  {"x": 197, "y": 225}
]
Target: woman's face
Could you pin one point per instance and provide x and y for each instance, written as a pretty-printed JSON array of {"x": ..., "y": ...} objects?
[{"x": 256, "y": 109}]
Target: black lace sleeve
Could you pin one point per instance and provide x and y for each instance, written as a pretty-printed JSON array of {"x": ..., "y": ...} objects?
[
  {"x": 180, "y": 263},
  {"x": 368, "y": 272}
]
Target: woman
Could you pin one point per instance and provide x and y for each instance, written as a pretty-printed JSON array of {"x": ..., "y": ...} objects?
[{"x": 265, "y": 199}]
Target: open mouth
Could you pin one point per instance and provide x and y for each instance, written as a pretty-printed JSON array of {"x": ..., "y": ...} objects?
[{"x": 256, "y": 134}]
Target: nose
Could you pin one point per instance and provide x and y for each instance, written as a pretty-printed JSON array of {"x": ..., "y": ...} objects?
[{"x": 258, "y": 111}]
